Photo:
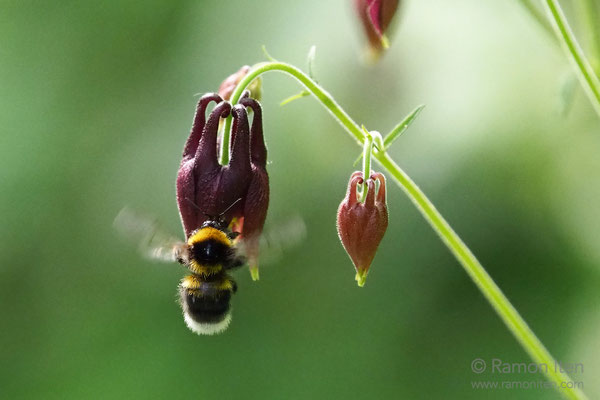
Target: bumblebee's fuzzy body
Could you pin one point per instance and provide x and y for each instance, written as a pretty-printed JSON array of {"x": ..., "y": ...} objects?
[{"x": 205, "y": 294}]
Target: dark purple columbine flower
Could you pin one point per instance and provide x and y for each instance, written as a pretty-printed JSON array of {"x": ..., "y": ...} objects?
[
  {"x": 376, "y": 17},
  {"x": 361, "y": 226},
  {"x": 235, "y": 194}
]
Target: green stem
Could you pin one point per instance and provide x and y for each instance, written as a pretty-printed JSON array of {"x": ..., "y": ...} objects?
[
  {"x": 324, "y": 98},
  {"x": 589, "y": 14},
  {"x": 583, "y": 69},
  {"x": 503, "y": 307},
  {"x": 367, "y": 150},
  {"x": 509, "y": 315}
]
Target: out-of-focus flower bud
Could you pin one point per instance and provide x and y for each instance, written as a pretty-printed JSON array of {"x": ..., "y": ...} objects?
[
  {"x": 237, "y": 192},
  {"x": 361, "y": 226},
  {"x": 376, "y": 17},
  {"x": 228, "y": 86}
]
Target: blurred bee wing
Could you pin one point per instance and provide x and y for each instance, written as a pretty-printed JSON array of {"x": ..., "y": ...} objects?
[
  {"x": 279, "y": 238},
  {"x": 152, "y": 241}
]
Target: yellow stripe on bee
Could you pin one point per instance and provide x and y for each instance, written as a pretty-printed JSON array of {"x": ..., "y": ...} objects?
[
  {"x": 209, "y": 233},
  {"x": 193, "y": 283},
  {"x": 225, "y": 285},
  {"x": 205, "y": 270}
]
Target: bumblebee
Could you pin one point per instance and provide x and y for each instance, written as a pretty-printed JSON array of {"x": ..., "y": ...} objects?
[
  {"x": 210, "y": 254},
  {"x": 205, "y": 294}
]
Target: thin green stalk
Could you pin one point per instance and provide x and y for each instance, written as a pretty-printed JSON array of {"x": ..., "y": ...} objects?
[
  {"x": 509, "y": 315},
  {"x": 503, "y": 307},
  {"x": 367, "y": 150},
  {"x": 321, "y": 94},
  {"x": 583, "y": 69},
  {"x": 588, "y": 13}
]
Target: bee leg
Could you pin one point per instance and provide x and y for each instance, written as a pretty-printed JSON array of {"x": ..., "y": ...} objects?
[{"x": 235, "y": 263}]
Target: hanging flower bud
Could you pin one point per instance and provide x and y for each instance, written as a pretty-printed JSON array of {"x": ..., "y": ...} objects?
[
  {"x": 361, "y": 226},
  {"x": 376, "y": 16},
  {"x": 237, "y": 192},
  {"x": 228, "y": 86}
]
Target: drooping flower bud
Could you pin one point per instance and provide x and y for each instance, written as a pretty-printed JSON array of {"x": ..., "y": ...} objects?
[
  {"x": 361, "y": 225},
  {"x": 237, "y": 192},
  {"x": 376, "y": 17},
  {"x": 228, "y": 86}
]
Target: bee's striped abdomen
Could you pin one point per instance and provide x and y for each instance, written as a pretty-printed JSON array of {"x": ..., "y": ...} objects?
[{"x": 206, "y": 302}]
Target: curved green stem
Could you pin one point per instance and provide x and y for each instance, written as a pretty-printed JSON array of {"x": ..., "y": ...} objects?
[
  {"x": 324, "y": 98},
  {"x": 509, "y": 315},
  {"x": 503, "y": 307},
  {"x": 585, "y": 72}
]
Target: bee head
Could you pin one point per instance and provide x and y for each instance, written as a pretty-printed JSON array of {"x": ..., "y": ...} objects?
[{"x": 216, "y": 223}]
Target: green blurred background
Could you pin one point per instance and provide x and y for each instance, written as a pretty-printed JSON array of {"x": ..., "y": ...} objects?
[{"x": 97, "y": 100}]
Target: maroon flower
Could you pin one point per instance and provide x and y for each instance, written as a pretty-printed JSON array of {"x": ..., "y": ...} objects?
[
  {"x": 361, "y": 226},
  {"x": 237, "y": 194},
  {"x": 376, "y": 16}
]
